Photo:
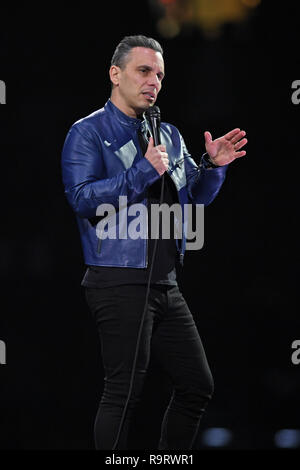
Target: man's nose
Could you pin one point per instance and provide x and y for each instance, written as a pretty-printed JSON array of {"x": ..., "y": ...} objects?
[{"x": 154, "y": 81}]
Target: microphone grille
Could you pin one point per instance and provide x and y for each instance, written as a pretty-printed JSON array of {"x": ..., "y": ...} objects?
[{"x": 153, "y": 111}]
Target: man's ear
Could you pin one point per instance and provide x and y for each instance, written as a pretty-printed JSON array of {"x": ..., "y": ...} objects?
[{"x": 114, "y": 74}]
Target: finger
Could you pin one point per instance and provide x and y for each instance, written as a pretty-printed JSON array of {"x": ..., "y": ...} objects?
[
  {"x": 151, "y": 143},
  {"x": 208, "y": 137},
  {"x": 240, "y": 144},
  {"x": 161, "y": 147},
  {"x": 240, "y": 154},
  {"x": 232, "y": 133},
  {"x": 237, "y": 137}
]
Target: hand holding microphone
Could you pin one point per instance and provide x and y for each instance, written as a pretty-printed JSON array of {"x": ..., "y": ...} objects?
[
  {"x": 156, "y": 152},
  {"x": 157, "y": 156}
]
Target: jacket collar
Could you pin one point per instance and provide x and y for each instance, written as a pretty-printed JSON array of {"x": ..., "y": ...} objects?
[{"x": 123, "y": 118}]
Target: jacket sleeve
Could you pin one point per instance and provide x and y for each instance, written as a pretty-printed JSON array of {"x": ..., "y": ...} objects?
[
  {"x": 203, "y": 184},
  {"x": 83, "y": 172}
]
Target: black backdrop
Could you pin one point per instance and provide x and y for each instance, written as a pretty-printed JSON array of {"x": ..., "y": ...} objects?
[{"x": 242, "y": 286}]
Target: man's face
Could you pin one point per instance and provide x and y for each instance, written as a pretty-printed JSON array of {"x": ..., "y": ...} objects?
[{"x": 136, "y": 86}]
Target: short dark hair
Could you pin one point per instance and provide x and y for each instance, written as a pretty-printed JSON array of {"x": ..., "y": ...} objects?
[{"x": 129, "y": 42}]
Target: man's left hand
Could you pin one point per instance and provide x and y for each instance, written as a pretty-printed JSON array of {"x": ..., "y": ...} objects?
[{"x": 227, "y": 148}]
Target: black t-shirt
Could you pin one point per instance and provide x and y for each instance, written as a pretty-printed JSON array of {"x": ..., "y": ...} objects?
[{"x": 164, "y": 268}]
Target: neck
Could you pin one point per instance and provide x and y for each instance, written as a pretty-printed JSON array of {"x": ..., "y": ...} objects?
[{"x": 131, "y": 112}]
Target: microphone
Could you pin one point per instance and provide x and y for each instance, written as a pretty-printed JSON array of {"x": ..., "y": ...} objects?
[{"x": 153, "y": 116}]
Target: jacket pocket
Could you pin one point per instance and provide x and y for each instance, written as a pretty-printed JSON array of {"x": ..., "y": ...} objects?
[{"x": 177, "y": 164}]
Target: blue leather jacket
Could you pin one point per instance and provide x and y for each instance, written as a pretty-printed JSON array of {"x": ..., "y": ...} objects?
[{"x": 102, "y": 160}]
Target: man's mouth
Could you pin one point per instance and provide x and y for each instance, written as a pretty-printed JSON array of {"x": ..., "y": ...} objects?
[{"x": 149, "y": 95}]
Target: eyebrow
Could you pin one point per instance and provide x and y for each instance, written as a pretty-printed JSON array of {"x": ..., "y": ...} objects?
[{"x": 147, "y": 67}]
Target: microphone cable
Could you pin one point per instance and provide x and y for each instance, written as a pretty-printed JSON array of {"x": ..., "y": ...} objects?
[{"x": 153, "y": 114}]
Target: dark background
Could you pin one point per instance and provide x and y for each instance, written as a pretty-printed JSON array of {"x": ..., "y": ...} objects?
[{"x": 242, "y": 286}]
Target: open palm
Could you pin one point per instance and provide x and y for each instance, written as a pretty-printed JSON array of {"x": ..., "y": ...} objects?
[{"x": 225, "y": 149}]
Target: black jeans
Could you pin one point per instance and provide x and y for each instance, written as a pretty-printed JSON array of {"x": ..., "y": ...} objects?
[{"x": 170, "y": 333}]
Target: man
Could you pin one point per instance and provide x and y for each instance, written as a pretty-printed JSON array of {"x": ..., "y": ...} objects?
[{"x": 107, "y": 155}]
